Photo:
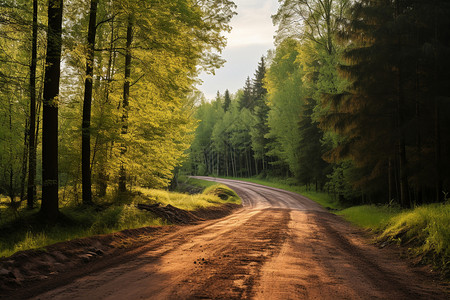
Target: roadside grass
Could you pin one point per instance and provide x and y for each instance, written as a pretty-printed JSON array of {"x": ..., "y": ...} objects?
[
  {"x": 24, "y": 229},
  {"x": 423, "y": 230},
  {"x": 373, "y": 217},
  {"x": 197, "y": 182},
  {"x": 213, "y": 195},
  {"x": 30, "y": 232}
]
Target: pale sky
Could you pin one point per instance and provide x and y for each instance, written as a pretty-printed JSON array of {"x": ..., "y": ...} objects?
[{"x": 250, "y": 38}]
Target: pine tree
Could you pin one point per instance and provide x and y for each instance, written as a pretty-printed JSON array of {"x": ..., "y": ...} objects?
[
  {"x": 261, "y": 112},
  {"x": 246, "y": 100},
  {"x": 226, "y": 101}
]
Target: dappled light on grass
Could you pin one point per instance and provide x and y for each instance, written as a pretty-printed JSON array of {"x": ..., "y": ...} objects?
[
  {"x": 210, "y": 197},
  {"x": 111, "y": 214},
  {"x": 426, "y": 232}
]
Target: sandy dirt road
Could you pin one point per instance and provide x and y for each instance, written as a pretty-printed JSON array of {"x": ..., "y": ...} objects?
[{"x": 279, "y": 246}]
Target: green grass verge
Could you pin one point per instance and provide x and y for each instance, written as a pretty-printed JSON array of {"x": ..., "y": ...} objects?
[
  {"x": 29, "y": 232},
  {"x": 214, "y": 195},
  {"x": 424, "y": 230},
  {"x": 372, "y": 217},
  {"x": 112, "y": 214}
]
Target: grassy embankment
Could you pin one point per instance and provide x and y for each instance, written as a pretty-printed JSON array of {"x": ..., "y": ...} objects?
[
  {"x": 424, "y": 230},
  {"x": 23, "y": 230}
]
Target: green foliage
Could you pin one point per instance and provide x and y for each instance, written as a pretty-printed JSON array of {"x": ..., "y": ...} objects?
[
  {"x": 425, "y": 231},
  {"x": 29, "y": 232},
  {"x": 285, "y": 99},
  {"x": 185, "y": 201}
]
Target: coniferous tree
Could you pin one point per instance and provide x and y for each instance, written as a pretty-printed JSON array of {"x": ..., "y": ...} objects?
[
  {"x": 261, "y": 111},
  {"x": 390, "y": 44},
  {"x": 226, "y": 101},
  {"x": 246, "y": 100}
]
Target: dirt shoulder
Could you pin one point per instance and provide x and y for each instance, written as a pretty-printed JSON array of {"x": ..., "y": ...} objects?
[
  {"x": 279, "y": 246},
  {"x": 62, "y": 262}
]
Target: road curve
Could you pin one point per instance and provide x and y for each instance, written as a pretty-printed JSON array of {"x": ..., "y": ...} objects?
[
  {"x": 256, "y": 196},
  {"x": 279, "y": 246}
]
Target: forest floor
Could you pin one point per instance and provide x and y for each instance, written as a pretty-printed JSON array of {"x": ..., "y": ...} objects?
[{"x": 280, "y": 245}]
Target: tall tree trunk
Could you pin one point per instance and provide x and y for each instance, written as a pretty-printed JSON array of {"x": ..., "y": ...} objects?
[
  {"x": 218, "y": 163},
  {"x": 23, "y": 178},
  {"x": 404, "y": 190},
  {"x": 437, "y": 128},
  {"x": 418, "y": 196},
  {"x": 126, "y": 96},
  {"x": 87, "y": 103},
  {"x": 102, "y": 181},
  {"x": 49, "y": 207},
  {"x": 31, "y": 191},
  {"x": 11, "y": 154},
  {"x": 437, "y": 137},
  {"x": 226, "y": 160},
  {"x": 390, "y": 181}
]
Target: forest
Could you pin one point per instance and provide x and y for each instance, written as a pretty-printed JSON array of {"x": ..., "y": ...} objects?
[
  {"x": 98, "y": 95},
  {"x": 103, "y": 128},
  {"x": 353, "y": 101}
]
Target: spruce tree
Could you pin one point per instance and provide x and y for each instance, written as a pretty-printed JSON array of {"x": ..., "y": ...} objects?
[
  {"x": 226, "y": 101},
  {"x": 246, "y": 100},
  {"x": 261, "y": 112}
]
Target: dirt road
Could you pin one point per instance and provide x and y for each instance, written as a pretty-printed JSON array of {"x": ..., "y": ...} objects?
[{"x": 279, "y": 246}]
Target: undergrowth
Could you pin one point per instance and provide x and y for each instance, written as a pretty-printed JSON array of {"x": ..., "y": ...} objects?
[
  {"x": 24, "y": 229},
  {"x": 213, "y": 195},
  {"x": 425, "y": 230}
]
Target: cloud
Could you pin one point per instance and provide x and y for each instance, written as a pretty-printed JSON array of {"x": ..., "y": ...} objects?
[
  {"x": 251, "y": 37},
  {"x": 253, "y": 24},
  {"x": 241, "y": 62}
]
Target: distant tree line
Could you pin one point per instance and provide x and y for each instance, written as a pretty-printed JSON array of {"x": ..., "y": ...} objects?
[{"x": 354, "y": 100}]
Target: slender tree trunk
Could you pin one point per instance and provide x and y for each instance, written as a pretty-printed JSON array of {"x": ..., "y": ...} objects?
[
  {"x": 233, "y": 162},
  {"x": 49, "y": 207},
  {"x": 390, "y": 180},
  {"x": 125, "y": 104},
  {"x": 437, "y": 128},
  {"x": 31, "y": 191},
  {"x": 227, "y": 159},
  {"x": 86, "y": 176},
  {"x": 104, "y": 146},
  {"x": 404, "y": 190},
  {"x": 418, "y": 196},
  {"x": 438, "y": 167},
  {"x": 24, "y": 162},
  {"x": 11, "y": 154}
]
